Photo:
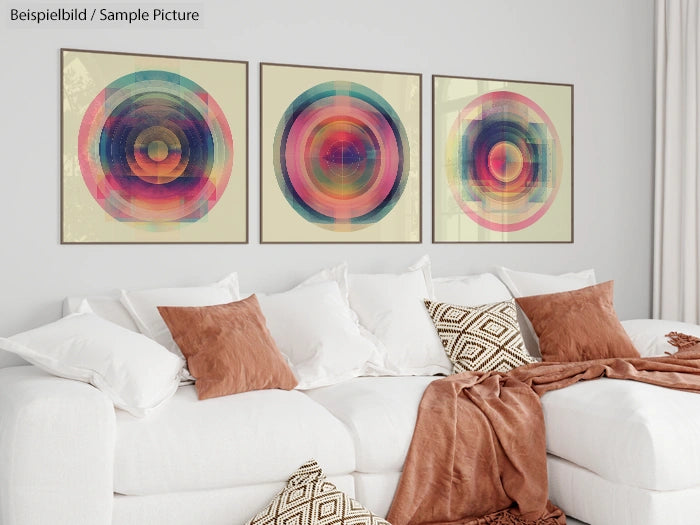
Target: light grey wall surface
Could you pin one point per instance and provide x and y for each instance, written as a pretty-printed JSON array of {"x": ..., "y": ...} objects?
[{"x": 603, "y": 47}]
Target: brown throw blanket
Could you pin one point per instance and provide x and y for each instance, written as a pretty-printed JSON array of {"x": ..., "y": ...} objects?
[{"x": 478, "y": 452}]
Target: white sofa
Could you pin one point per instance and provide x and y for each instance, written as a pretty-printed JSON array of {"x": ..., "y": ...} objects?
[{"x": 621, "y": 453}]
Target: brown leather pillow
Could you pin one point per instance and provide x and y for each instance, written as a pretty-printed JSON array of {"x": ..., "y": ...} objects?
[
  {"x": 228, "y": 348},
  {"x": 579, "y": 325}
]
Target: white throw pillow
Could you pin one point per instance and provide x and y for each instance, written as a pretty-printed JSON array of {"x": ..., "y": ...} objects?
[
  {"x": 470, "y": 290},
  {"x": 338, "y": 273},
  {"x": 425, "y": 265},
  {"x": 106, "y": 306},
  {"x": 8, "y": 359},
  {"x": 391, "y": 307},
  {"x": 136, "y": 373},
  {"x": 315, "y": 329},
  {"x": 523, "y": 284},
  {"x": 649, "y": 335},
  {"x": 143, "y": 307}
]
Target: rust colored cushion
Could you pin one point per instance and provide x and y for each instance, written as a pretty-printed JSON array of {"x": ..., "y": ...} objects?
[
  {"x": 579, "y": 325},
  {"x": 228, "y": 348}
]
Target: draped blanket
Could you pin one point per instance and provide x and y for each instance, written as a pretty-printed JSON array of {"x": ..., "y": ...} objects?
[{"x": 478, "y": 452}]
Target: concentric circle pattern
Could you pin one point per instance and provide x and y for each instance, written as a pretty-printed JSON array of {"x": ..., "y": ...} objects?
[
  {"x": 155, "y": 147},
  {"x": 341, "y": 156},
  {"x": 504, "y": 161}
]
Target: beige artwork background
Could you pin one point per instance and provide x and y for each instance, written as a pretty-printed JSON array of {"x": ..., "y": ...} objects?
[
  {"x": 85, "y": 74},
  {"x": 450, "y": 223},
  {"x": 280, "y": 85}
]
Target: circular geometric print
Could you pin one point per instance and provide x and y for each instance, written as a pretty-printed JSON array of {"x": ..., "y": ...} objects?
[
  {"x": 155, "y": 147},
  {"x": 341, "y": 156},
  {"x": 504, "y": 161}
]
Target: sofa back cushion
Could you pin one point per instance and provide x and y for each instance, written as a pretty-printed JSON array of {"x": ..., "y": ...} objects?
[
  {"x": 143, "y": 305},
  {"x": 470, "y": 290},
  {"x": 522, "y": 284},
  {"x": 390, "y": 306},
  {"x": 315, "y": 329},
  {"x": 108, "y": 307},
  {"x": 649, "y": 335}
]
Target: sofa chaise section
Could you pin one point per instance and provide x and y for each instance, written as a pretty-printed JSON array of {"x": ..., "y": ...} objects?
[
  {"x": 627, "y": 432},
  {"x": 598, "y": 501},
  {"x": 619, "y": 452},
  {"x": 624, "y": 452}
]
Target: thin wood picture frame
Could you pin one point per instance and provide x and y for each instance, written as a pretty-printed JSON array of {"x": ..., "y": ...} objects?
[
  {"x": 340, "y": 155},
  {"x": 154, "y": 149},
  {"x": 503, "y": 161}
]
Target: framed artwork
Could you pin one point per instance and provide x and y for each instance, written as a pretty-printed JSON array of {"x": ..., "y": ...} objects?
[
  {"x": 502, "y": 161},
  {"x": 154, "y": 149},
  {"x": 340, "y": 155}
]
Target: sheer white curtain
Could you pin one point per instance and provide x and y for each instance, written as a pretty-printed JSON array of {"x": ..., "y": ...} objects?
[{"x": 677, "y": 172}]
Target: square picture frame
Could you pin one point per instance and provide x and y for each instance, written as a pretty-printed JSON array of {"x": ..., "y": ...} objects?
[
  {"x": 340, "y": 155},
  {"x": 154, "y": 149},
  {"x": 503, "y": 154}
]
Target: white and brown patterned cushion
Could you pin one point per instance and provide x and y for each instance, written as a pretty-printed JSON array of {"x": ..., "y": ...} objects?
[
  {"x": 310, "y": 499},
  {"x": 480, "y": 338}
]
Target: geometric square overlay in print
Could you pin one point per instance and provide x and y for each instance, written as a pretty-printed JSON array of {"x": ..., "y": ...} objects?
[{"x": 502, "y": 161}]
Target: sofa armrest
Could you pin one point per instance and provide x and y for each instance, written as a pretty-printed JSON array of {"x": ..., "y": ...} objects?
[{"x": 56, "y": 450}]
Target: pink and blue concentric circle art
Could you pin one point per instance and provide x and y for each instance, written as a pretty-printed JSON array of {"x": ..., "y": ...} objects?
[
  {"x": 155, "y": 147},
  {"x": 341, "y": 156},
  {"x": 504, "y": 161}
]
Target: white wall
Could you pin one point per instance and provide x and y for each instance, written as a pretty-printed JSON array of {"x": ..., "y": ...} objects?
[{"x": 603, "y": 47}]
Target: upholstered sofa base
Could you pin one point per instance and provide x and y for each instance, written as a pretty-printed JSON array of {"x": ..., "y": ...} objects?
[
  {"x": 592, "y": 499},
  {"x": 62, "y": 444},
  {"x": 233, "y": 506},
  {"x": 376, "y": 491}
]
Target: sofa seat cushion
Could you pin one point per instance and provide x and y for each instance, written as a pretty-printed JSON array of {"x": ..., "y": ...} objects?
[
  {"x": 380, "y": 413},
  {"x": 627, "y": 432},
  {"x": 241, "y": 439}
]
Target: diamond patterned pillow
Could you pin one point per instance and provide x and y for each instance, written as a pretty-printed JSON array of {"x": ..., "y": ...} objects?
[
  {"x": 480, "y": 338},
  {"x": 310, "y": 499}
]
